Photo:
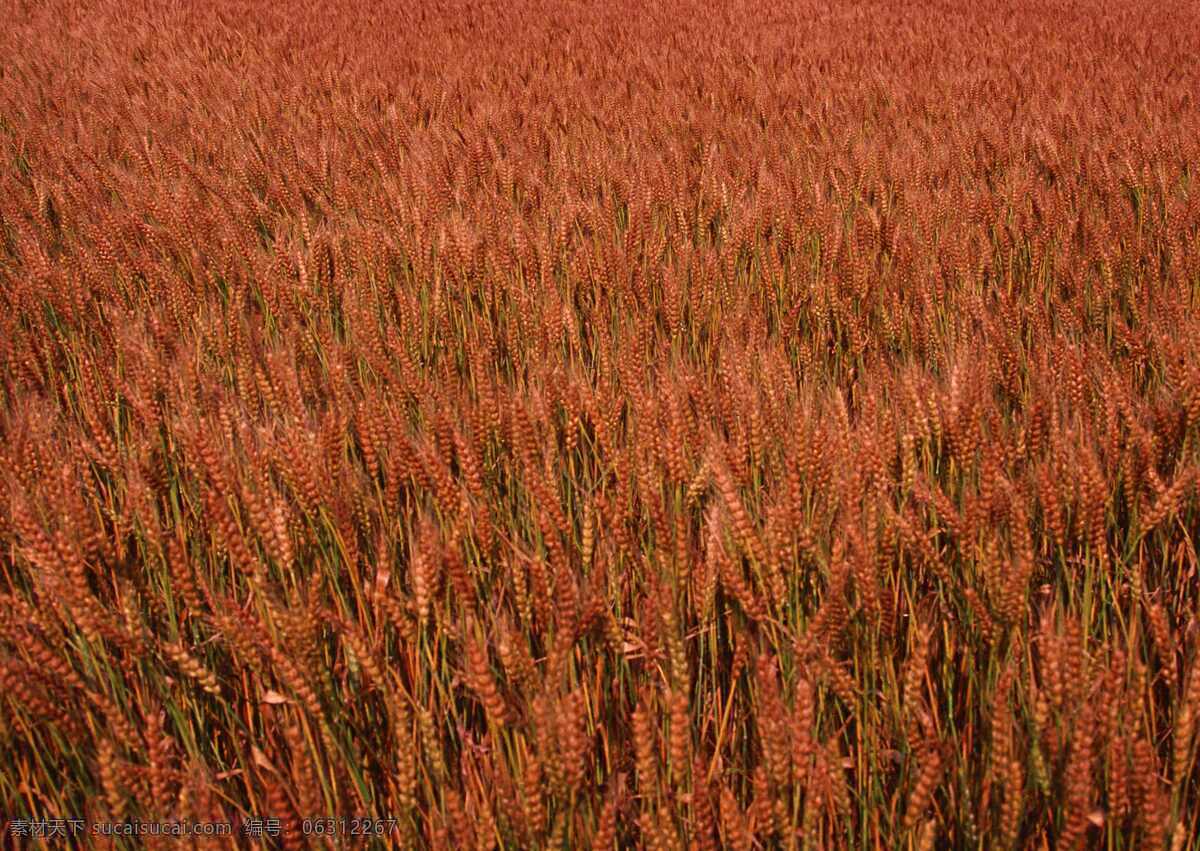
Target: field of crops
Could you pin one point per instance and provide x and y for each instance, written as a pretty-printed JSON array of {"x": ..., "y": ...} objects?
[{"x": 548, "y": 425}]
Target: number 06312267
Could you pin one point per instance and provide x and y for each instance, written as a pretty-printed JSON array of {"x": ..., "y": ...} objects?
[{"x": 344, "y": 826}]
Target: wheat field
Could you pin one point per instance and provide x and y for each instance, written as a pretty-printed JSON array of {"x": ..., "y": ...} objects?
[{"x": 460, "y": 424}]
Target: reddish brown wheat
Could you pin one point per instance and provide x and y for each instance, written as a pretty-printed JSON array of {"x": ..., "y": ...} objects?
[{"x": 546, "y": 425}]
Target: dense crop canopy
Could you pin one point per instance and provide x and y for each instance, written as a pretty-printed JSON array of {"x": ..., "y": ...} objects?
[{"x": 619, "y": 424}]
